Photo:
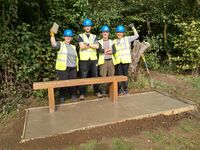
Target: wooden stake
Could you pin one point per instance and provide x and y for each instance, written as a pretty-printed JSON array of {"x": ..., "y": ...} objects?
[
  {"x": 113, "y": 91},
  {"x": 51, "y": 99}
]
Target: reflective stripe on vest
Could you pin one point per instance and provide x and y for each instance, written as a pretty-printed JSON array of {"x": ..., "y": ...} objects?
[
  {"x": 102, "y": 55},
  {"x": 61, "y": 61},
  {"x": 123, "y": 52},
  {"x": 90, "y": 53}
]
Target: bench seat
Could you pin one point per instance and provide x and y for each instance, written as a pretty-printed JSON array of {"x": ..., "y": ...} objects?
[{"x": 50, "y": 85}]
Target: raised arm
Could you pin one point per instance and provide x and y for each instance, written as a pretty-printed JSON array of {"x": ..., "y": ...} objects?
[
  {"x": 54, "y": 43},
  {"x": 135, "y": 31},
  {"x": 52, "y": 39},
  {"x": 135, "y": 36}
]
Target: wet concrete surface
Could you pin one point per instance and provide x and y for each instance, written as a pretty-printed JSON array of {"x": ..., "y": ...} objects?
[{"x": 70, "y": 117}]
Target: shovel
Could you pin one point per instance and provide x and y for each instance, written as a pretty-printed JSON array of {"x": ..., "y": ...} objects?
[{"x": 151, "y": 81}]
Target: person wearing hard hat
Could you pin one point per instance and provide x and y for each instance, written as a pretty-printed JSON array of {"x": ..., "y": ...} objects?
[
  {"x": 88, "y": 56},
  {"x": 106, "y": 59},
  {"x": 123, "y": 54},
  {"x": 66, "y": 63}
]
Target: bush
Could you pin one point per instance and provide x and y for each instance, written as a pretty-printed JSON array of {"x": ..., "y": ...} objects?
[
  {"x": 187, "y": 46},
  {"x": 24, "y": 58},
  {"x": 152, "y": 54}
]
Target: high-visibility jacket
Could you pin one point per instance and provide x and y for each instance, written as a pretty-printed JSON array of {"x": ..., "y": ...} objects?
[
  {"x": 102, "y": 55},
  {"x": 123, "y": 51},
  {"x": 89, "y": 53},
  {"x": 61, "y": 62}
]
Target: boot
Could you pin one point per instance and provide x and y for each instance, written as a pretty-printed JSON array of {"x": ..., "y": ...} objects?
[
  {"x": 62, "y": 100},
  {"x": 82, "y": 97},
  {"x": 99, "y": 95}
]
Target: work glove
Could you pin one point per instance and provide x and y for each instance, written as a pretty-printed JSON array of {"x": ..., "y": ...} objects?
[
  {"x": 132, "y": 26},
  {"x": 52, "y": 34}
]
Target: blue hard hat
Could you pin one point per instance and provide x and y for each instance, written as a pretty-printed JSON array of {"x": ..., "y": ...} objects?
[
  {"x": 87, "y": 22},
  {"x": 68, "y": 32},
  {"x": 105, "y": 29},
  {"x": 120, "y": 28}
]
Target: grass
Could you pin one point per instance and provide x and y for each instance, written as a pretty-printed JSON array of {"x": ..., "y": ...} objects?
[
  {"x": 184, "y": 136},
  {"x": 181, "y": 137},
  {"x": 116, "y": 144},
  {"x": 4, "y": 118},
  {"x": 192, "y": 80},
  {"x": 159, "y": 85},
  {"x": 188, "y": 125},
  {"x": 141, "y": 83},
  {"x": 192, "y": 93},
  {"x": 121, "y": 144},
  {"x": 90, "y": 145}
]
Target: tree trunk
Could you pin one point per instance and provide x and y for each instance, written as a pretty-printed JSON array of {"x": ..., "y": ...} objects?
[
  {"x": 165, "y": 43},
  {"x": 136, "y": 53},
  {"x": 3, "y": 14},
  {"x": 148, "y": 27}
]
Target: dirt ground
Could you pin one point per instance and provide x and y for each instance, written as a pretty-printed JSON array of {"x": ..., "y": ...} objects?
[
  {"x": 171, "y": 80},
  {"x": 10, "y": 135},
  {"x": 11, "y": 130}
]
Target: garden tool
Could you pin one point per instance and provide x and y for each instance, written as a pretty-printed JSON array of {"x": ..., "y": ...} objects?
[{"x": 145, "y": 63}]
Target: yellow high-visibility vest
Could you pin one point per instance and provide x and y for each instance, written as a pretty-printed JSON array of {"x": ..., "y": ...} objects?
[
  {"x": 102, "y": 55},
  {"x": 89, "y": 53},
  {"x": 123, "y": 51},
  {"x": 61, "y": 61}
]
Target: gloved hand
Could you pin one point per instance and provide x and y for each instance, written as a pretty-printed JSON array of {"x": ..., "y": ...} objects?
[
  {"x": 52, "y": 34},
  {"x": 132, "y": 26}
]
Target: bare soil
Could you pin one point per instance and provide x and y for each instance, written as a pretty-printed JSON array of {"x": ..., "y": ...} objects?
[
  {"x": 171, "y": 80},
  {"x": 10, "y": 134}
]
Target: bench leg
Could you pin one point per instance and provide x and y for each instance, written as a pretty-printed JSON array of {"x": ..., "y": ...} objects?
[
  {"x": 51, "y": 99},
  {"x": 113, "y": 91}
]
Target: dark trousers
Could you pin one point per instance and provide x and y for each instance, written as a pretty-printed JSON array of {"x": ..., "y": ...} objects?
[
  {"x": 88, "y": 68},
  {"x": 69, "y": 73},
  {"x": 122, "y": 69}
]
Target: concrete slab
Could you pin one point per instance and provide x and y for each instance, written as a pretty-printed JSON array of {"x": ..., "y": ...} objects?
[{"x": 40, "y": 123}]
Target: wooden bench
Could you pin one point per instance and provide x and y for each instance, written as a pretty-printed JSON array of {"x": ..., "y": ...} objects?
[{"x": 50, "y": 85}]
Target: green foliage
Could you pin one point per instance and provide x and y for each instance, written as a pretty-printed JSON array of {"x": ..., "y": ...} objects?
[
  {"x": 187, "y": 46},
  {"x": 152, "y": 61},
  {"x": 155, "y": 137},
  {"x": 192, "y": 80},
  {"x": 141, "y": 83},
  {"x": 90, "y": 145},
  {"x": 119, "y": 144},
  {"x": 40, "y": 93},
  {"x": 188, "y": 125},
  {"x": 24, "y": 58},
  {"x": 152, "y": 54}
]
